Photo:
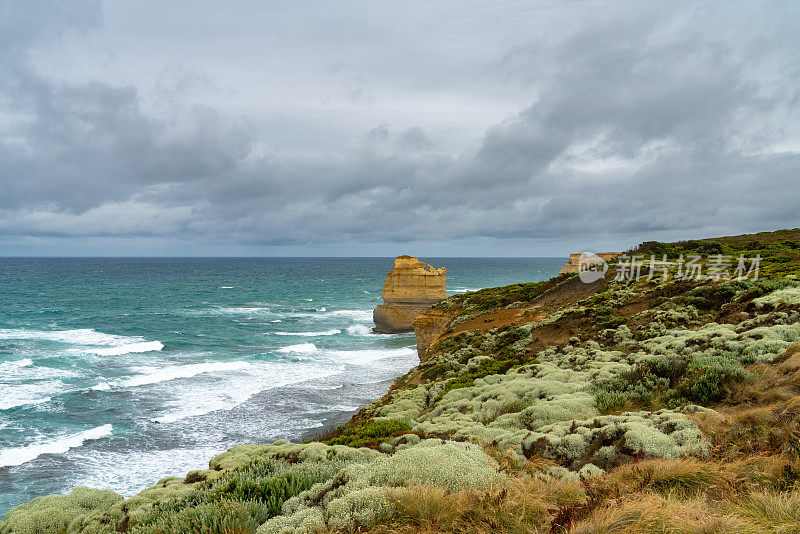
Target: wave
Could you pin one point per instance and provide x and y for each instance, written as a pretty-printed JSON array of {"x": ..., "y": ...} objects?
[
  {"x": 323, "y": 313},
  {"x": 301, "y": 348},
  {"x": 276, "y": 321},
  {"x": 330, "y": 332},
  {"x": 235, "y": 389},
  {"x": 226, "y": 287},
  {"x": 246, "y": 309},
  {"x": 362, "y": 356},
  {"x": 463, "y": 289},
  {"x": 359, "y": 330},
  {"x": 91, "y": 341},
  {"x": 129, "y": 472},
  {"x": 79, "y": 336},
  {"x": 20, "y": 455},
  {"x": 356, "y": 315},
  {"x": 9, "y": 367},
  {"x": 23, "y": 399},
  {"x": 173, "y": 372},
  {"x": 142, "y": 346}
]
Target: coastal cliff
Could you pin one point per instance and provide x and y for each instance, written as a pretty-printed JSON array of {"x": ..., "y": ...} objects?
[
  {"x": 411, "y": 288},
  {"x": 621, "y": 406},
  {"x": 573, "y": 263}
]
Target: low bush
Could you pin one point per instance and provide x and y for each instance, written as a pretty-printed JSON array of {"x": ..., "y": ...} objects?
[
  {"x": 370, "y": 433},
  {"x": 485, "y": 368}
]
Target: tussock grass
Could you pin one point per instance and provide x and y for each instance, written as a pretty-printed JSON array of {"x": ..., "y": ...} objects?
[
  {"x": 684, "y": 478},
  {"x": 650, "y": 513},
  {"x": 519, "y": 505},
  {"x": 772, "y": 512}
]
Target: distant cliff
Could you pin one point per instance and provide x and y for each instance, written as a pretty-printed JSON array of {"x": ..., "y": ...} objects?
[
  {"x": 410, "y": 288},
  {"x": 574, "y": 260}
]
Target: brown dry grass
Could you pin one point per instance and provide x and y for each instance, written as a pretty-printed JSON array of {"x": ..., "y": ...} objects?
[
  {"x": 688, "y": 495},
  {"x": 520, "y": 505}
]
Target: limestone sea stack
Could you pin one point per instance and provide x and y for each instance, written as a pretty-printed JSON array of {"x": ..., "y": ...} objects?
[{"x": 410, "y": 289}]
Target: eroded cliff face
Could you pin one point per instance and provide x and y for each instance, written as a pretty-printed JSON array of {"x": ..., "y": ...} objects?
[
  {"x": 428, "y": 327},
  {"x": 410, "y": 289}
]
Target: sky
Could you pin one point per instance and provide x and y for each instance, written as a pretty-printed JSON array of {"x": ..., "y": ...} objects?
[{"x": 377, "y": 128}]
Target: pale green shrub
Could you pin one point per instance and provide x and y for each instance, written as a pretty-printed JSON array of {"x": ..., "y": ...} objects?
[
  {"x": 360, "y": 508},
  {"x": 789, "y": 296},
  {"x": 663, "y": 434},
  {"x": 590, "y": 470},
  {"x": 54, "y": 513},
  {"x": 304, "y": 521},
  {"x": 405, "y": 404}
]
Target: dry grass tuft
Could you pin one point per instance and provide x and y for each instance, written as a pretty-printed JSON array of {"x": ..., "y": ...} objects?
[
  {"x": 650, "y": 513},
  {"x": 519, "y": 505},
  {"x": 684, "y": 478},
  {"x": 772, "y": 511}
]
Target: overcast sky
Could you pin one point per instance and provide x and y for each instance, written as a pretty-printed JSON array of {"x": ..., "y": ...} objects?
[{"x": 466, "y": 128}]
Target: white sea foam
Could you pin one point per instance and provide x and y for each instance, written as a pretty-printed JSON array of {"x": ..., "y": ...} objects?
[
  {"x": 129, "y": 472},
  {"x": 301, "y": 348},
  {"x": 129, "y": 348},
  {"x": 309, "y": 300},
  {"x": 363, "y": 356},
  {"x": 80, "y": 336},
  {"x": 462, "y": 289},
  {"x": 156, "y": 375},
  {"x": 20, "y": 455},
  {"x": 331, "y": 332},
  {"x": 21, "y": 396},
  {"x": 323, "y": 313},
  {"x": 356, "y": 315},
  {"x": 231, "y": 310},
  {"x": 359, "y": 330},
  {"x": 10, "y": 367},
  {"x": 89, "y": 340},
  {"x": 234, "y": 389},
  {"x": 226, "y": 287},
  {"x": 276, "y": 321}
]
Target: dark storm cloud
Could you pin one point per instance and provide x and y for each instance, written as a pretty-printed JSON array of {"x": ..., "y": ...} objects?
[{"x": 640, "y": 119}]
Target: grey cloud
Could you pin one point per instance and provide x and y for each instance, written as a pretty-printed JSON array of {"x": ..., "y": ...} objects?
[{"x": 641, "y": 123}]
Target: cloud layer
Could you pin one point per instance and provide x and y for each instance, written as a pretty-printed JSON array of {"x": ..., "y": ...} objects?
[{"x": 522, "y": 129}]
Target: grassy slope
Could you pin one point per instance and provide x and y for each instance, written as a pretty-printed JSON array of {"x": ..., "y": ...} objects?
[{"x": 644, "y": 406}]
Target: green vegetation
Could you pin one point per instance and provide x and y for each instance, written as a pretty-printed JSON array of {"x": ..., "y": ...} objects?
[
  {"x": 779, "y": 251},
  {"x": 370, "y": 433},
  {"x": 632, "y": 406},
  {"x": 485, "y": 368},
  {"x": 500, "y": 297}
]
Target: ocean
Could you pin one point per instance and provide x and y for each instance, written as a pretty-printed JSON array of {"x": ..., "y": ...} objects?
[{"x": 117, "y": 372}]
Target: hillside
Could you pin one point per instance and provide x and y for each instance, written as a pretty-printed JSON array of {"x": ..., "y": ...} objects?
[{"x": 632, "y": 405}]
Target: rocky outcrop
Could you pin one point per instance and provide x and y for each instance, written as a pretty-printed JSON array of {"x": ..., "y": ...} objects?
[
  {"x": 410, "y": 289},
  {"x": 574, "y": 260}
]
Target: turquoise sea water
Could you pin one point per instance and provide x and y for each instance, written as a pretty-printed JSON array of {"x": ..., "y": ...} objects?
[{"x": 115, "y": 373}]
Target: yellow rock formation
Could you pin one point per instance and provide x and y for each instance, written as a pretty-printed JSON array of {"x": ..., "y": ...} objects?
[{"x": 410, "y": 288}]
